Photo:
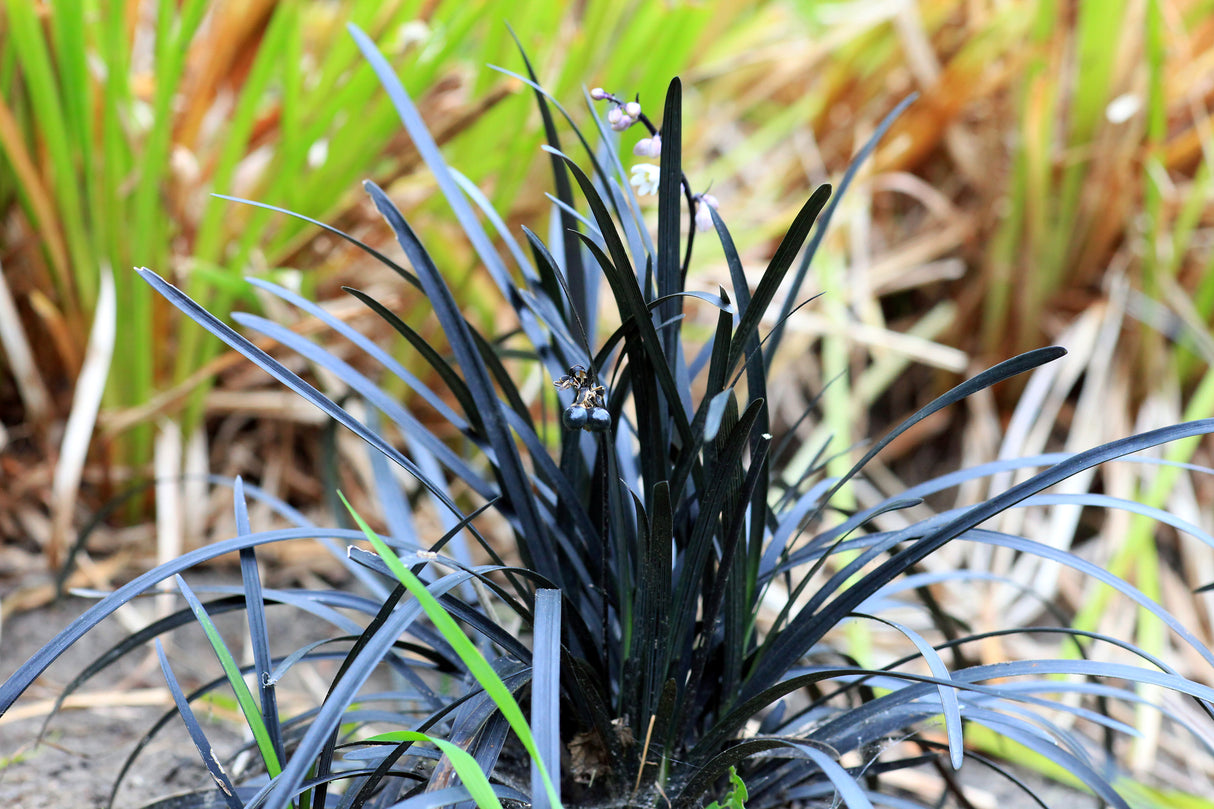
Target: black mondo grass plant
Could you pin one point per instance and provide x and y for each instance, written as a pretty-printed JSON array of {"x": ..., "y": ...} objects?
[{"x": 652, "y": 533}]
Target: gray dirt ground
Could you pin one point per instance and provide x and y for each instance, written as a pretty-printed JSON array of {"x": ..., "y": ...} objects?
[{"x": 85, "y": 748}]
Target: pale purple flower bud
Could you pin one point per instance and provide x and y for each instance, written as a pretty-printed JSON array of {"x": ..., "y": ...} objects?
[
  {"x": 633, "y": 110},
  {"x": 648, "y": 147},
  {"x": 614, "y": 116},
  {"x": 645, "y": 178},
  {"x": 598, "y": 94},
  {"x": 621, "y": 122},
  {"x": 703, "y": 217}
]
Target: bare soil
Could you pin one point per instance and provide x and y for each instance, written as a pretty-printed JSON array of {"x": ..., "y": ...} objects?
[{"x": 85, "y": 745}]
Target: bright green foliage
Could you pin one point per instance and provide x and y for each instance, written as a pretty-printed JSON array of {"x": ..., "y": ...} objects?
[{"x": 736, "y": 798}]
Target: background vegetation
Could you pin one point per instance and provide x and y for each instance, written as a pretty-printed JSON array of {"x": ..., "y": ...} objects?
[{"x": 1052, "y": 184}]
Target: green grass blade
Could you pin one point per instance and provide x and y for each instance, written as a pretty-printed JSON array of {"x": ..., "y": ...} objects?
[
  {"x": 465, "y": 765},
  {"x": 248, "y": 706},
  {"x": 478, "y": 666}
]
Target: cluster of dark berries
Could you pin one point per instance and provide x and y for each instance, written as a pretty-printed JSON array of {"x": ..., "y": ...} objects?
[{"x": 587, "y": 409}]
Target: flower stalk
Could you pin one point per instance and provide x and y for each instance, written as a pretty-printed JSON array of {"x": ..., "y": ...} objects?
[{"x": 622, "y": 115}]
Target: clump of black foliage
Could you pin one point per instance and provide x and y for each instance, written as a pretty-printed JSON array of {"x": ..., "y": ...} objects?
[{"x": 664, "y": 530}]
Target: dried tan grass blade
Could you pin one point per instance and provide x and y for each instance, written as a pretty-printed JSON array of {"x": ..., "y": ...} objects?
[{"x": 83, "y": 416}]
